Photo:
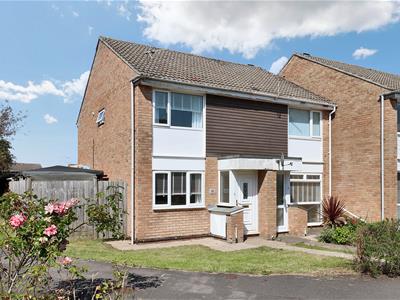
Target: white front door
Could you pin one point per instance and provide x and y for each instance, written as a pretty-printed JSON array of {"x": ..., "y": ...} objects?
[
  {"x": 282, "y": 194},
  {"x": 247, "y": 197}
]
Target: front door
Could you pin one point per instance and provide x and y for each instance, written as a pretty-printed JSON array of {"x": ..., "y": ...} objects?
[
  {"x": 281, "y": 202},
  {"x": 247, "y": 197}
]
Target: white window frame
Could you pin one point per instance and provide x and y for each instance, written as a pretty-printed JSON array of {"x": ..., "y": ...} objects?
[
  {"x": 311, "y": 124},
  {"x": 188, "y": 205},
  {"x": 101, "y": 115},
  {"x": 169, "y": 110},
  {"x": 231, "y": 177},
  {"x": 304, "y": 179}
]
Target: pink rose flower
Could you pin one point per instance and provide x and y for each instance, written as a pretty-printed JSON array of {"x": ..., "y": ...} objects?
[
  {"x": 60, "y": 208},
  {"x": 66, "y": 261},
  {"x": 49, "y": 208},
  {"x": 51, "y": 230},
  {"x": 17, "y": 220}
]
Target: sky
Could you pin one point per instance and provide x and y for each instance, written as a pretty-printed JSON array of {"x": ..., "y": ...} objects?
[{"x": 47, "y": 49}]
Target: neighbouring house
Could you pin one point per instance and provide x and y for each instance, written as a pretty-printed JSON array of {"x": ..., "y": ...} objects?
[
  {"x": 206, "y": 146},
  {"x": 365, "y": 131}
]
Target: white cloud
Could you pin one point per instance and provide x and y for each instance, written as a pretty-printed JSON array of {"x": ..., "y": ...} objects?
[
  {"x": 90, "y": 30},
  {"x": 75, "y": 87},
  {"x": 123, "y": 10},
  {"x": 68, "y": 90},
  {"x": 278, "y": 64},
  {"x": 363, "y": 53},
  {"x": 246, "y": 27},
  {"x": 49, "y": 119},
  {"x": 75, "y": 14}
]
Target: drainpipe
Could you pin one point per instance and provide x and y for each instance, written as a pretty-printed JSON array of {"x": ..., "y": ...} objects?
[
  {"x": 133, "y": 237},
  {"x": 330, "y": 150},
  {"x": 382, "y": 159}
]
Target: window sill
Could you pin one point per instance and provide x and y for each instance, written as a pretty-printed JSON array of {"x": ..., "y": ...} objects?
[
  {"x": 305, "y": 138},
  {"x": 304, "y": 203},
  {"x": 314, "y": 224},
  {"x": 178, "y": 207},
  {"x": 176, "y": 127}
]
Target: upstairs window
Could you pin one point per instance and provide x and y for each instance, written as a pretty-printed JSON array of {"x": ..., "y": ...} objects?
[
  {"x": 161, "y": 108},
  {"x": 177, "y": 109},
  {"x": 100, "y": 117},
  {"x": 304, "y": 123},
  {"x": 186, "y": 110}
]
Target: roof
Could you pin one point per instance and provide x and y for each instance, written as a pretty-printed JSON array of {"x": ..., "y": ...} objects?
[
  {"x": 62, "y": 172},
  {"x": 167, "y": 65},
  {"x": 18, "y": 167},
  {"x": 386, "y": 80}
]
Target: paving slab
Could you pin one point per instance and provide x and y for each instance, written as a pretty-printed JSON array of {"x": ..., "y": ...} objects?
[{"x": 221, "y": 245}]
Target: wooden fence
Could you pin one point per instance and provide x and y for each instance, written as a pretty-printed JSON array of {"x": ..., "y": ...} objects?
[{"x": 87, "y": 191}]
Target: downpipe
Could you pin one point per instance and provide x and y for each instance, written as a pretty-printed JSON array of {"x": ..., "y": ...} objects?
[
  {"x": 330, "y": 150},
  {"x": 382, "y": 158}
]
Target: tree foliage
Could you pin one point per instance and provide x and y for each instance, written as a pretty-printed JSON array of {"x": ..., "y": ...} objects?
[{"x": 10, "y": 122}]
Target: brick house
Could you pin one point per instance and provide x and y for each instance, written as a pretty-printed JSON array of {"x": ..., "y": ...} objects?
[
  {"x": 364, "y": 169},
  {"x": 206, "y": 146}
]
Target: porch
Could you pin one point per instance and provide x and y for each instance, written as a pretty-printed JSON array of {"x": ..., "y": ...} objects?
[{"x": 267, "y": 197}]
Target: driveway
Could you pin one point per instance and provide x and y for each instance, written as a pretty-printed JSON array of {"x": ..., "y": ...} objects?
[{"x": 164, "y": 284}]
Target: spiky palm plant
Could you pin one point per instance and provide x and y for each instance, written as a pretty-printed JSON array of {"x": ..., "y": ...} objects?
[{"x": 333, "y": 212}]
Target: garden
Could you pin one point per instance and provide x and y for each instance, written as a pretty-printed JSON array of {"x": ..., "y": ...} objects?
[
  {"x": 40, "y": 260},
  {"x": 377, "y": 244}
]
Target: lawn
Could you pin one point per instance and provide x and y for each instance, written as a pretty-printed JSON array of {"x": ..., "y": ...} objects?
[
  {"x": 261, "y": 260},
  {"x": 307, "y": 246}
]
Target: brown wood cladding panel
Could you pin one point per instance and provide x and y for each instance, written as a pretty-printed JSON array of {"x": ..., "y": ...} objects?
[{"x": 245, "y": 127}]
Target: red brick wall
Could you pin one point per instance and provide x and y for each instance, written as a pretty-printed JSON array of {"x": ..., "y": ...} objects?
[
  {"x": 267, "y": 203},
  {"x": 161, "y": 224},
  {"x": 297, "y": 220},
  {"x": 355, "y": 137},
  {"x": 107, "y": 147},
  {"x": 235, "y": 228}
]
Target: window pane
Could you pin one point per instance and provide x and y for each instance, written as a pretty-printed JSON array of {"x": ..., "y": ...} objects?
[
  {"x": 280, "y": 221},
  {"x": 224, "y": 187},
  {"x": 299, "y": 122},
  {"x": 186, "y": 110},
  {"x": 305, "y": 192},
  {"x": 245, "y": 190},
  {"x": 178, "y": 188},
  {"x": 195, "y": 188},
  {"x": 161, "y": 189},
  {"x": 161, "y": 112},
  {"x": 313, "y": 213},
  {"x": 316, "y": 124},
  {"x": 181, "y": 118},
  {"x": 279, "y": 189}
]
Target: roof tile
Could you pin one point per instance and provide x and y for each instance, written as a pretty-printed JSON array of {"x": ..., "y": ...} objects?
[{"x": 163, "y": 64}]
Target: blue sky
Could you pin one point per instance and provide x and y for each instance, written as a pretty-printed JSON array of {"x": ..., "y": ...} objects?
[{"x": 52, "y": 44}]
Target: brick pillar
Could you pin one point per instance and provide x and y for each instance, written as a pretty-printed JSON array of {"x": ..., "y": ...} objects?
[
  {"x": 267, "y": 203},
  {"x": 297, "y": 220},
  {"x": 235, "y": 228}
]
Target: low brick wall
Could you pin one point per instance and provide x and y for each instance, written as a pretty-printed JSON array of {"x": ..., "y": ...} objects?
[
  {"x": 235, "y": 228},
  {"x": 297, "y": 220}
]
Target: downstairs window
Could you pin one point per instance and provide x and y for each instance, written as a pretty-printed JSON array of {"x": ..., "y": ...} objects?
[
  {"x": 177, "y": 189},
  {"x": 305, "y": 190}
]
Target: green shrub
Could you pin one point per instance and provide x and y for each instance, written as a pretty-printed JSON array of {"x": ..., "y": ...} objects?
[
  {"x": 378, "y": 248},
  {"x": 341, "y": 235}
]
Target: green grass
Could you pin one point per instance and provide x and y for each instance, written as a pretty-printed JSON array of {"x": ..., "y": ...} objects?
[
  {"x": 307, "y": 246},
  {"x": 261, "y": 260}
]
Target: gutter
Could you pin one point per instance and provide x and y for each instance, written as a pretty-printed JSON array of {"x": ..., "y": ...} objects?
[{"x": 330, "y": 149}]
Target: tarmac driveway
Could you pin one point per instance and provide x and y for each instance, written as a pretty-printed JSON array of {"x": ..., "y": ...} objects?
[{"x": 163, "y": 284}]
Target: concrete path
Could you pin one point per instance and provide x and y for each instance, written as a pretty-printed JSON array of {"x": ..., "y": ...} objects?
[
  {"x": 221, "y": 245},
  {"x": 164, "y": 284}
]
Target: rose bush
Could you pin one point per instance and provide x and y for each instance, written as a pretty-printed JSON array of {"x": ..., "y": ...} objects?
[{"x": 33, "y": 234}]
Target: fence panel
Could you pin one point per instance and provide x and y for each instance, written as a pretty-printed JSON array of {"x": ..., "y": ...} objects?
[{"x": 84, "y": 190}]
